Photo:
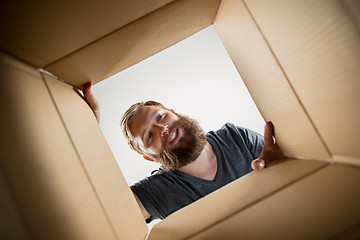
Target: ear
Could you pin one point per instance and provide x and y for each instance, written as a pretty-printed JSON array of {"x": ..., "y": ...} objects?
[{"x": 147, "y": 158}]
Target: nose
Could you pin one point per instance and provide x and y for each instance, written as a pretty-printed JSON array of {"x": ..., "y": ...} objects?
[{"x": 162, "y": 129}]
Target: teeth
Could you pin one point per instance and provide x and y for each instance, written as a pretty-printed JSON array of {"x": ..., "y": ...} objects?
[{"x": 173, "y": 136}]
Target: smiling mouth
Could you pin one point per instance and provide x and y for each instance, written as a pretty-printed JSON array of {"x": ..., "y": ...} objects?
[{"x": 174, "y": 135}]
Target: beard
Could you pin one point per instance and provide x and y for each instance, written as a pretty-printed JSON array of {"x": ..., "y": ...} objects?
[{"x": 189, "y": 147}]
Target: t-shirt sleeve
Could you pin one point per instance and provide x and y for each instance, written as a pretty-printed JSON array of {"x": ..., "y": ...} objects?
[
  {"x": 253, "y": 140},
  {"x": 161, "y": 194},
  {"x": 143, "y": 189}
]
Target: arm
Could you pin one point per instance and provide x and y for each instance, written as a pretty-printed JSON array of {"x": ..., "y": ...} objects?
[
  {"x": 94, "y": 105},
  {"x": 271, "y": 150},
  {"x": 91, "y": 100}
]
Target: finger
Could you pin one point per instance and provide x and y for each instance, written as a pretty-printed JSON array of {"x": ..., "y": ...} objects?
[
  {"x": 89, "y": 96},
  {"x": 94, "y": 104},
  {"x": 269, "y": 133},
  {"x": 91, "y": 100},
  {"x": 258, "y": 164},
  {"x": 87, "y": 89}
]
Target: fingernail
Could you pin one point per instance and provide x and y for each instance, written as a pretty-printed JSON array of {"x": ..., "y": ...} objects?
[{"x": 262, "y": 164}]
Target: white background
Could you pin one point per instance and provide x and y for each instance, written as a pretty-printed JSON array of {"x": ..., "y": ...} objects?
[{"x": 195, "y": 77}]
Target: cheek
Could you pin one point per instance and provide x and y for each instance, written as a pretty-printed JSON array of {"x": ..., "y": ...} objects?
[
  {"x": 155, "y": 148},
  {"x": 172, "y": 120},
  {"x": 142, "y": 147},
  {"x": 151, "y": 151}
]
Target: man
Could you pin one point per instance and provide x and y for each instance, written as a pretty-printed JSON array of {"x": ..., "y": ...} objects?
[{"x": 193, "y": 164}]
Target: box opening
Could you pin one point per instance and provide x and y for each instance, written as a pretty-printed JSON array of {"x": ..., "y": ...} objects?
[{"x": 195, "y": 77}]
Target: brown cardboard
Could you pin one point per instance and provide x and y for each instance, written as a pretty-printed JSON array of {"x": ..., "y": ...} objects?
[
  {"x": 43, "y": 32},
  {"x": 267, "y": 82},
  {"x": 43, "y": 175},
  {"x": 321, "y": 206},
  {"x": 319, "y": 49},
  {"x": 353, "y": 8},
  {"x": 136, "y": 41},
  {"x": 13, "y": 226},
  {"x": 233, "y": 198},
  {"x": 112, "y": 191},
  {"x": 299, "y": 60}
]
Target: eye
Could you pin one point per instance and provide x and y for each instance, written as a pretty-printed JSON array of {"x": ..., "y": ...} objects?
[
  {"x": 160, "y": 116},
  {"x": 149, "y": 137}
]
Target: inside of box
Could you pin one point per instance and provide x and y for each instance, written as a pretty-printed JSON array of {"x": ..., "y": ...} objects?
[
  {"x": 135, "y": 29},
  {"x": 299, "y": 60},
  {"x": 292, "y": 68},
  {"x": 299, "y": 76},
  {"x": 191, "y": 68}
]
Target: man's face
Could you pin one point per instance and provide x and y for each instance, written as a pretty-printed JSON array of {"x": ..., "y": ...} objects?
[{"x": 168, "y": 138}]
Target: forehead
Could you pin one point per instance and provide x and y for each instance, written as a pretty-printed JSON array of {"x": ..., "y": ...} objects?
[{"x": 142, "y": 118}]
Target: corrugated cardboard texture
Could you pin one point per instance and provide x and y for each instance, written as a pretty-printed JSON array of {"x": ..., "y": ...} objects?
[
  {"x": 318, "y": 46},
  {"x": 299, "y": 59},
  {"x": 12, "y": 226},
  {"x": 233, "y": 198},
  {"x": 136, "y": 41},
  {"x": 353, "y": 7},
  {"x": 321, "y": 206},
  {"x": 44, "y": 178},
  {"x": 98, "y": 161},
  {"x": 41, "y": 32},
  {"x": 267, "y": 82}
]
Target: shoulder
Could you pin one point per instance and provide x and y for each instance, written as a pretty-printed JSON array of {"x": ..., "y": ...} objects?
[
  {"x": 229, "y": 129},
  {"x": 150, "y": 191},
  {"x": 156, "y": 177},
  {"x": 160, "y": 182},
  {"x": 230, "y": 132}
]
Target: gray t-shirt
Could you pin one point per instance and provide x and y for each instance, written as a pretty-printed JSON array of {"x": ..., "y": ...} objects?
[{"x": 164, "y": 192}]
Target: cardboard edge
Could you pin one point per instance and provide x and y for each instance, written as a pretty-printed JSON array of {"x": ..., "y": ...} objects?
[
  {"x": 277, "y": 231},
  {"x": 35, "y": 181},
  {"x": 294, "y": 148},
  {"x": 113, "y": 216},
  {"x": 299, "y": 100},
  {"x": 106, "y": 35},
  {"x": 127, "y": 53},
  {"x": 351, "y": 161},
  {"x": 163, "y": 230}
]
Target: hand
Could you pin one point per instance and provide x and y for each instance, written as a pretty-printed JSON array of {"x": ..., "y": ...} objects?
[
  {"x": 271, "y": 150},
  {"x": 91, "y": 100}
]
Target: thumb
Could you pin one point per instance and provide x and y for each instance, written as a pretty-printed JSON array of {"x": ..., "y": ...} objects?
[
  {"x": 87, "y": 90},
  {"x": 258, "y": 164},
  {"x": 91, "y": 100},
  {"x": 269, "y": 133},
  {"x": 89, "y": 96}
]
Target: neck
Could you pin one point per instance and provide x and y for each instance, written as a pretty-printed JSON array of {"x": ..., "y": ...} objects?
[{"x": 205, "y": 166}]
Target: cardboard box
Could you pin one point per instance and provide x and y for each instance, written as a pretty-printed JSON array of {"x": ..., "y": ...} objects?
[{"x": 299, "y": 59}]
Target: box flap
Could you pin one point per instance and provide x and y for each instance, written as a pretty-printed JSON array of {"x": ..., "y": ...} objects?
[
  {"x": 51, "y": 191},
  {"x": 232, "y": 198},
  {"x": 267, "y": 82},
  {"x": 324, "y": 205},
  {"x": 135, "y": 42},
  {"x": 109, "y": 184},
  {"x": 353, "y": 7},
  {"x": 318, "y": 46},
  {"x": 41, "y": 32}
]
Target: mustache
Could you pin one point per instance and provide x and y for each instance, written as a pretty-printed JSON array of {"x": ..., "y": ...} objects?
[
  {"x": 188, "y": 148},
  {"x": 186, "y": 124}
]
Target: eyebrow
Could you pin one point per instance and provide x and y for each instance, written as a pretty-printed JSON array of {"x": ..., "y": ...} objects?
[{"x": 143, "y": 134}]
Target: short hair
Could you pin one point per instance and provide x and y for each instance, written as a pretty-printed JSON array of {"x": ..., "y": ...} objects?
[{"x": 126, "y": 119}]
